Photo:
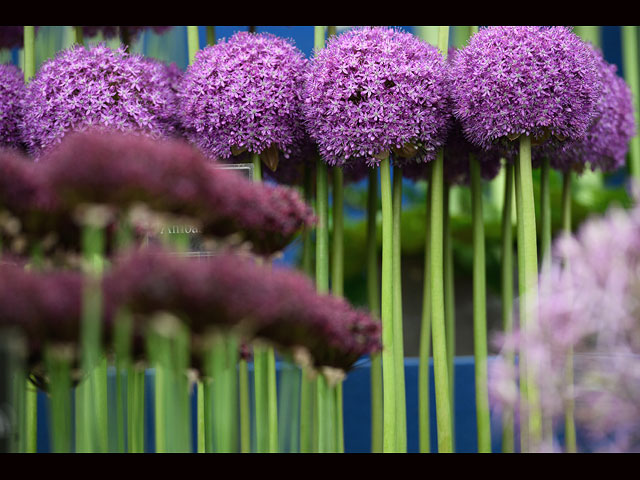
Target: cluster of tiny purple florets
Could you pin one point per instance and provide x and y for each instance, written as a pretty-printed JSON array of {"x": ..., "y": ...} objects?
[
  {"x": 12, "y": 89},
  {"x": 99, "y": 86},
  {"x": 606, "y": 143},
  {"x": 373, "y": 90},
  {"x": 244, "y": 94},
  {"x": 525, "y": 80}
]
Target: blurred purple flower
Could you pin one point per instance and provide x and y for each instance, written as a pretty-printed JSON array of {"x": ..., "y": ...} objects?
[
  {"x": 588, "y": 305},
  {"x": 374, "y": 90},
  {"x": 244, "y": 94},
  {"x": 81, "y": 88},
  {"x": 525, "y": 80},
  {"x": 227, "y": 291},
  {"x": 12, "y": 89}
]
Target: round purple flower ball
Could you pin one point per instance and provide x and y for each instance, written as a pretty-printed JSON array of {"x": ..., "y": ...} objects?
[
  {"x": 377, "y": 90},
  {"x": 82, "y": 88},
  {"x": 606, "y": 143},
  {"x": 525, "y": 80},
  {"x": 244, "y": 94},
  {"x": 12, "y": 89}
]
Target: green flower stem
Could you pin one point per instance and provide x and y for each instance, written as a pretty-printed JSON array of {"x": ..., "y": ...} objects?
[
  {"x": 570, "y": 426},
  {"x": 289, "y": 426},
  {"x": 424, "y": 413},
  {"x": 245, "y": 407},
  {"x": 373, "y": 298},
  {"x": 441, "y": 374},
  {"x": 221, "y": 368},
  {"x": 528, "y": 286},
  {"x": 31, "y": 419},
  {"x": 193, "y": 43},
  {"x": 201, "y": 417},
  {"x": 398, "y": 339},
  {"x": 261, "y": 399},
  {"x": 337, "y": 278},
  {"x": 135, "y": 409},
  {"x": 268, "y": 417},
  {"x": 79, "y": 35},
  {"x": 480, "y": 310},
  {"x": 339, "y": 447},
  {"x": 29, "y": 65},
  {"x": 390, "y": 438},
  {"x": 211, "y": 35},
  {"x": 507, "y": 294},
  {"x": 58, "y": 360},
  {"x": 545, "y": 213},
  {"x": 306, "y": 412},
  {"x": 449, "y": 303},
  {"x": 322, "y": 286},
  {"x": 631, "y": 75},
  {"x": 307, "y": 239},
  {"x": 122, "y": 343},
  {"x": 591, "y": 34}
]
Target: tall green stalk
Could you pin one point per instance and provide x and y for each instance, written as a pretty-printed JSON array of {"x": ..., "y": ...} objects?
[
  {"x": 245, "y": 407},
  {"x": 545, "y": 214},
  {"x": 528, "y": 285},
  {"x": 29, "y": 65},
  {"x": 79, "y": 35},
  {"x": 58, "y": 360},
  {"x": 193, "y": 43},
  {"x": 480, "y": 310},
  {"x": 337, "y": 281},
  {"x": 449, "y": 302},
  {"x": 424, "y": 413},
  {"x": 211, "y": 35},
  {"x": 398, "y": 340},
  {"x": 441, "y": 371},
  {"x": 389, "y": 383},
  {"x": 373, "y": 301},
  {"x": 508, "y": 440},
  {"x": 569, "y": 405},
  {"x": 266, "y": 410},
  {"x": 632, "y": 76}
]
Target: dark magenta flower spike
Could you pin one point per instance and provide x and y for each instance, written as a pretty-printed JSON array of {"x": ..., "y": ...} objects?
[
  {"x": 172, "y": 177},
  {"x": 370, "y": 93},
  {"x": 82, "y": 88},
  {"x": 12, "y": 89},
  {"x": 589, "y": 315},
  {"x": 260, "y": 302},
  {"x": 534, "y": 85}
]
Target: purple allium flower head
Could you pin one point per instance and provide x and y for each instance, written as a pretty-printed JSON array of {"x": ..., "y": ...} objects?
[
  {"x": 588, "y": 304},
  {"x": 12, "y": 89},
  {"x": 12, "y": 36},
  {"x": 376, "y": 90},
  {"x": 81, "y": 88},
  {"x": 228, "y": 291},
  {"x": 607, "y": 140},
  {"x": 525, "y": 80},
  {"x": 244, "y": 94}
]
